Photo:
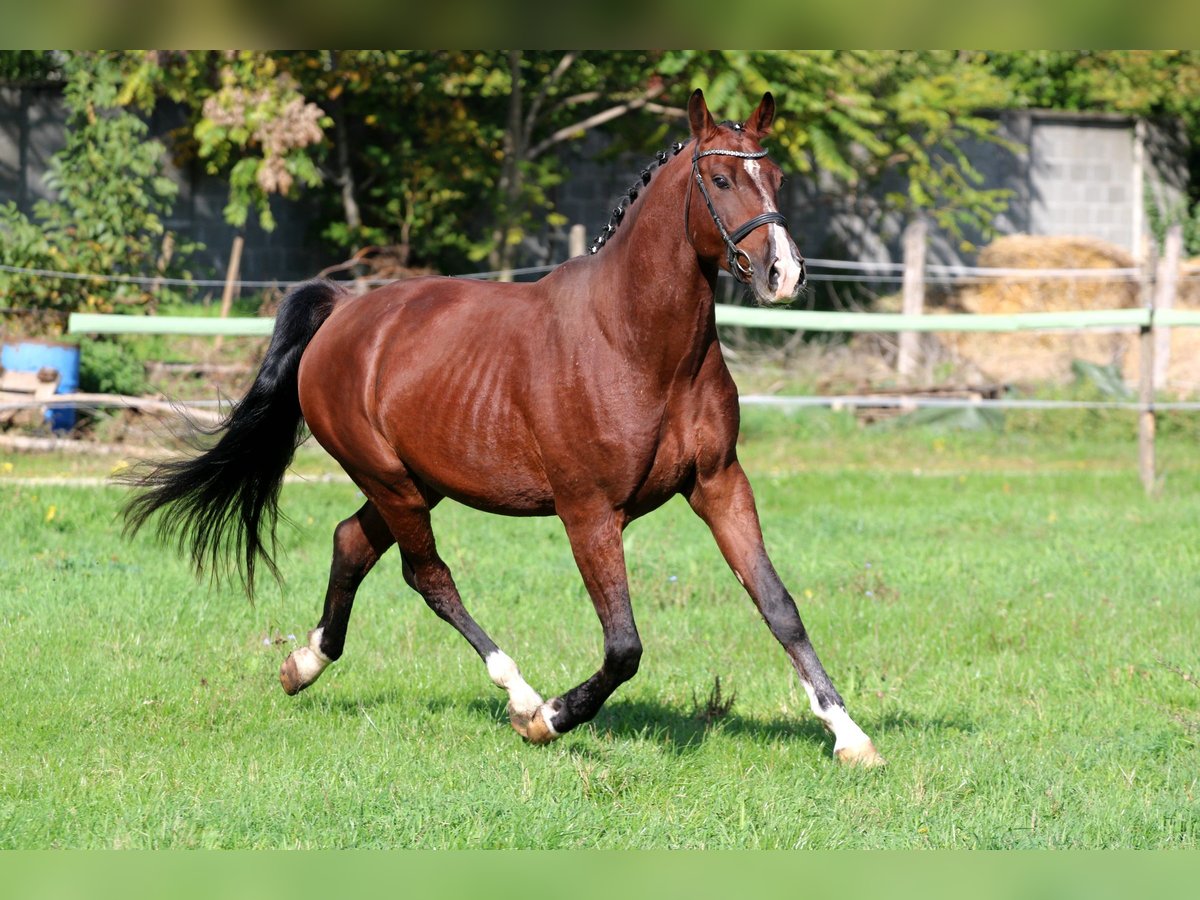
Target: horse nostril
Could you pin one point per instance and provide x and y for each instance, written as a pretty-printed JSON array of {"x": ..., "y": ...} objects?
[{"x": 773, "y": 276}]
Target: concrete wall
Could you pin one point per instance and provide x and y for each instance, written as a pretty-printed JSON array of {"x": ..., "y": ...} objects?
[{"x": 1083, "y": 179}]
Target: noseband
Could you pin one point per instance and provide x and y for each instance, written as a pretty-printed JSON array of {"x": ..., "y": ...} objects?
[{"x": 734, "y": 253}]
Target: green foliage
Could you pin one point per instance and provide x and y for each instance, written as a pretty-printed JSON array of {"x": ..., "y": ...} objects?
[
  {"x": 861, "y": 116},
  {"x": 1160, "y": 217},
  {"x": 453, "y": 157},
  {"x": 28, "y": 66},
  {"x": 106, "y": 217},
  {"x": 109, "y": 367},
  {"x": 1136, "y": 82},
  {"x": 251, "y": 123}
]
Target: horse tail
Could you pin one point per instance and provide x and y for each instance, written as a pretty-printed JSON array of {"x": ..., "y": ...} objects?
[{"x": 224, "y": 503}]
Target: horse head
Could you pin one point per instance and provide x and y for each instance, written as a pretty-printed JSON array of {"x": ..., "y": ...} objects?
[{"x": 733, "y": 216}]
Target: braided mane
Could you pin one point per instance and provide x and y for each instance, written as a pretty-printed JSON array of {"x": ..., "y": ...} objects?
[{"x": 618, "y": 213}]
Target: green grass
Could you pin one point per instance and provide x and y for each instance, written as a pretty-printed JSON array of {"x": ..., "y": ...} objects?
[{"x": 1012, "y": 621}]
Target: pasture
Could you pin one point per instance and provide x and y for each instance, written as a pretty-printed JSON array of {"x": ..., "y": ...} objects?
[{"x": 1008, "y": 616}]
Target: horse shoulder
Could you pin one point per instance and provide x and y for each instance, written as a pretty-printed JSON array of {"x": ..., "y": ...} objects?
[{"x": 711, "y": 414}]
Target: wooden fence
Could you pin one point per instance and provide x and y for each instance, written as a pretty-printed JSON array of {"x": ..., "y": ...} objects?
[{"x": 1152, "y": 319}]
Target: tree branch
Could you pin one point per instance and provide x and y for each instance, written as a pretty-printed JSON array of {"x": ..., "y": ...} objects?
[
  {"x": 549, "y": 82},
  {"x": 592, "y": 121}
]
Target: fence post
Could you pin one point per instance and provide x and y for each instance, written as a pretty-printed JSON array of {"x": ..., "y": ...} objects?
[
  {"x": 576, "y": 240},
  {"x": 1164, "y": 298},
  {"x": 1146, "y": 415},
  {"x": 914, "y": 296},
  {"x": 231, "y": 277}
]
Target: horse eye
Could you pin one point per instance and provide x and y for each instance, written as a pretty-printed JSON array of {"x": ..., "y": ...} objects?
[{"x": 721, "y": 181}]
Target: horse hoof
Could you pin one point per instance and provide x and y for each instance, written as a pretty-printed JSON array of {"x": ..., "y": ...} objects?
[
  {"x": 532, "y": 725},
  {"x": 289, "y": 677},
  {"x": 300, "y": 669},
  {"x": 539, "y": 731},
  {"x": 520, "y": 719},
  {"x": 863, "y": 755}
]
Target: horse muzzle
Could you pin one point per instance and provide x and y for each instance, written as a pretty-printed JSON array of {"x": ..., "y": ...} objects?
[{"x": 783, "y": 278}]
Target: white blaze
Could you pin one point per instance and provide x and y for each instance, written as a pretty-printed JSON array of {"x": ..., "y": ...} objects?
[{"x": 779, "y": 246}]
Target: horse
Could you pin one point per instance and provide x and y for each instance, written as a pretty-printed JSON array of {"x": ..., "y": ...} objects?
[{"x": 595, "y": 394}]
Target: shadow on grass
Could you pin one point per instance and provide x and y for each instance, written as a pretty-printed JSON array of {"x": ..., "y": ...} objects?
[
  {"x": 682, "y": 731},
  {"x": 678, "y": 730}
]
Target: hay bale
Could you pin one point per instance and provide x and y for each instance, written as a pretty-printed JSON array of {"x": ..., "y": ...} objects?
[
  {"x": 1043, "y": 357},
  {"x": 1188, "y": 296},
  {"x": 1021, "y": 294}
]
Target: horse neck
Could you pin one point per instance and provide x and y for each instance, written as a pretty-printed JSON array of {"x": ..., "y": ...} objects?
[{"x": 661, "y": 301}]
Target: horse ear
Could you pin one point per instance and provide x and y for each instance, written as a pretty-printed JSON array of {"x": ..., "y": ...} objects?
[
  {"x": 760, "y": 120},
  {"x": 699, "y": 117}
]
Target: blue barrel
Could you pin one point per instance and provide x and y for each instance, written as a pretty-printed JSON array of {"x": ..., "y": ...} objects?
[{"x": 32, "y": 356}]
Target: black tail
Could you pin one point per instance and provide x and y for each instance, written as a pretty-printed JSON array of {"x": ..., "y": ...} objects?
[{"x": 220, "y": 503}]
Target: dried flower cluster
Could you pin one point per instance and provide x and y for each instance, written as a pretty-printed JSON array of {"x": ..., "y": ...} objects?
[{"x": 278, "y": 119}]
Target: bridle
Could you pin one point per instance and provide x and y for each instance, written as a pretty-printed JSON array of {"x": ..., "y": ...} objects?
[{"x": 734, "y": 253}]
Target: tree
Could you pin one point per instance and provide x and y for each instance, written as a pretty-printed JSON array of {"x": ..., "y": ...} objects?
[
  {"x": 106, "y": 218},
  {"x": 453, "y": 156},
  {"x": 251, "y": 123},
  {"x": 1156, "y": 84},
  {"x": 856, "y": 117}
]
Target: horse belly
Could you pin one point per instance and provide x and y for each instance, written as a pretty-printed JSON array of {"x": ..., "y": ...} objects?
[
  {"x": 486, "y": 475},
  {"x": 468, "y": 440}
]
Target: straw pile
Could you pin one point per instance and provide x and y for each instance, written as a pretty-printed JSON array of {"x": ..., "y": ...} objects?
[
  {"x": 1032, "y": 357},
  {"x": 1189, "y": 284},
  {"x": 1022, "y": 251}
]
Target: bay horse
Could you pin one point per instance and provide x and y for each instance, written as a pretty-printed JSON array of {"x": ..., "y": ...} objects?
[{"x": 594, "y": 394}]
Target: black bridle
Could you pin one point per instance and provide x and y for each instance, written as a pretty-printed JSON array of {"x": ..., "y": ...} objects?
[{"x": 735, "y": 254}]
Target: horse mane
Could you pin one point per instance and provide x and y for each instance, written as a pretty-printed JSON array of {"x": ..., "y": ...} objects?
[
  {"x": 618, "y": 213},
  {"x": 660, "y": 159}
]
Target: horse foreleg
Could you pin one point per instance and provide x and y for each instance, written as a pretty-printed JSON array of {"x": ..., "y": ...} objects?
[
  {"x": 600, "y": 555},
  {"x": 358, "y": 542},
  {"x": 724, "y": 500}
]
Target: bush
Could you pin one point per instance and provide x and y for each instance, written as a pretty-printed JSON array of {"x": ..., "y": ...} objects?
[
  {"x": 107, "y": 367},
  {"x": 106, "y": 216}
]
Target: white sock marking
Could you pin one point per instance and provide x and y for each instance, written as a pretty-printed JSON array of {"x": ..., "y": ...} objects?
[
  {"x": 504, "y": 673},
  {"x": 846, "y": 732},
  {"x": 310, "y": 661},
  {"x": 548, "y": 718}
]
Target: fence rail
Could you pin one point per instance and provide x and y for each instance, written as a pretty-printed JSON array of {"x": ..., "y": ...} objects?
[
  {"x": 747, "y": 316},
  {"x": 1152, "y": 318}
]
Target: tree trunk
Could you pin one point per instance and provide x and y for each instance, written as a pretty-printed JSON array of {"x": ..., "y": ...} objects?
[
  {"x": 511, "y": 179},
  {"x": 345, "y": 174}
]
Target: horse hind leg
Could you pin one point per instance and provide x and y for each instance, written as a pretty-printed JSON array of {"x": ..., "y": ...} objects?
[
  {"x": 406, "y": 510},
  {"x": 358, "y": 542}
]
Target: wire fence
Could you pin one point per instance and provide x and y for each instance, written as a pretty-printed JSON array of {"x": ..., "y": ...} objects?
[
  {"x": 1154, "y": 314},
  {"x": 842, "y": 270}
]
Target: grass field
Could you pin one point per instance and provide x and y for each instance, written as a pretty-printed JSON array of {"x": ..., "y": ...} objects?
[{"x": 1008, "y": 616}]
